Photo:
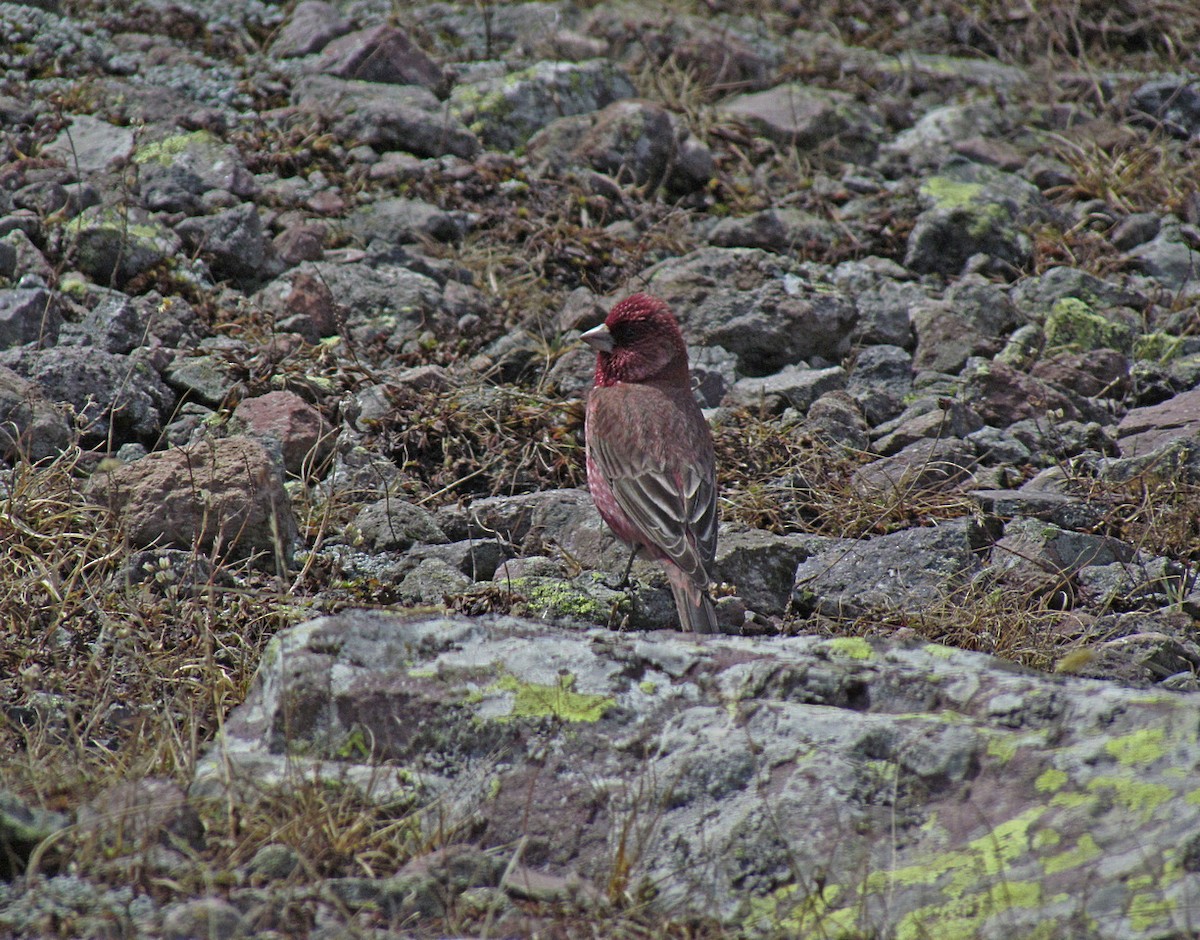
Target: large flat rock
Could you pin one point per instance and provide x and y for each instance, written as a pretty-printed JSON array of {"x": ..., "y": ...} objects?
[{"x": 814, "y": 786}]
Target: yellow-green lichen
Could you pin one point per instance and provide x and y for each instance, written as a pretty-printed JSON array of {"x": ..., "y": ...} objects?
[
  {"x": 356, "y": 746},
  {"x": 982, "y": 857},
  {"x": 851, "y": 647},
  {"x": 165, "y": 151},
  {"x": 1136, "y": 795},
  {"x": 1085, "y": 850},
  {"x": 938, "y": 650},
  {"x": 532, "y": 700},
  {"x": 1150, "y": 910},
  {"x": 1044, "y": 838},
  {"x": 1073, "y": 800},
  {"x": 1050, "y": 780},
  {"x": 648, "y": 687},
  {"x": 965, "y": 917},
  {"x": 1139, "y": 748},
  {"x": 1002, "y": 747},
  {"x": 951, "y": 194},
  {"x": 782, "y": 913}
]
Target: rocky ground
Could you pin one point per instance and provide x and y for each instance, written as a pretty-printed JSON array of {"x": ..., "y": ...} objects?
[{"x": 289, "y": 302}]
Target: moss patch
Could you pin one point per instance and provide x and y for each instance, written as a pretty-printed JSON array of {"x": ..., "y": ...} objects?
[
  {"x": 1073, "y": 325},
  {"x": 850, "y": 647}
]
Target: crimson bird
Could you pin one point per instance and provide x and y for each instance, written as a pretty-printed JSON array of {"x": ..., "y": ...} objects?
[{"x": 650, "y": 461}]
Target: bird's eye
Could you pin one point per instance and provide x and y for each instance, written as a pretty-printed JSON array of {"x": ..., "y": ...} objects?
[{"x": 627, "y": 331}]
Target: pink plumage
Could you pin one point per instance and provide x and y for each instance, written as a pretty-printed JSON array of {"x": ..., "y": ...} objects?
[{"x": 650, "y": 462}]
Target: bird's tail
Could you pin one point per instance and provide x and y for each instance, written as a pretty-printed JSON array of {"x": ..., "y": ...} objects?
[{"x": 697, "y": 614}]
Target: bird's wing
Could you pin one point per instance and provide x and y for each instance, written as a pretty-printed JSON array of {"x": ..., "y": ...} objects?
[{"x": 675, "y": 509}]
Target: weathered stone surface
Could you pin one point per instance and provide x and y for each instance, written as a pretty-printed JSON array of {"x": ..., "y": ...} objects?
[
  {"x": 391, "y": 524},
  {"x": 1143, "y": 430},
  {"x": 381, "y": 54},
  {"x": 111, "y": 394},
  {"x": 224, "y": 496},
  {"x": 505, "y": 112},
  {"x": 30, "y": 426},
  {"x": 903, "y": 572},
  {"x": 748, "y": 302},
  {"x": 809, "y": 118},
  {"x": 764, "y": 760},
  {"x": 286, "y": 421}
]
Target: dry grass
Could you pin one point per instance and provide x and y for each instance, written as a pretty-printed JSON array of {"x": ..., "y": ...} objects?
[{"x": 781, "y": 477}]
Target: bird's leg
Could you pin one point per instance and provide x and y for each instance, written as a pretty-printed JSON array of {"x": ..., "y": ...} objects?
[{"x": 628, "y": 568}]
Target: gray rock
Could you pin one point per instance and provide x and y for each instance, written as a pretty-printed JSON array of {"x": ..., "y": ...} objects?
[
  {"x": 904, "y": 572},
  {"x": 382, "y": 54},
  {"x": 554, "y": 522},
  {"x": 837, "y": 419},
  {"x": 232, "y": 241},
  {"x": 173, "y": 173},
  {"x": 207, "y": 378},
  {"x": 400, "y": 220},
  {"x": 927, "y": 418},
  {"x": 760, "y": 307},
  {"x": 791, "y": 386},
  {"x": 926, "y": 143},
  {"x": 1061, "y": 509},
  {"x": 1140, "y": 584},
  {"x": 121, "y": 396},
  {"x": 884, "y": 312},
  {"x": 926, "y": 465},
  {"x": 432, "y": 581},
  {"x": 1036, "y": 296},
  {"x": 29, "y": 316},
  {"x": 212, "y": 918},
  {"x": 1038, "y": 558},
  {"x": 273, "y": 862},
  {"x": 945, "y": 338},
  {"x": 89, "y": 145},
  {"x": 633, "y": 142},
  {"x": 757, "y": 753},
  {"x": 119, "y": 324},
  {"x": 831, "y": 123},
  {"x": 386, "y": 117},
  {"x": 1172, "y": 104},
  {"x": 30, "y": 426},
  {"x": 384, "y": 301},
  {"x": 1148, "y": 429},
  {"x": 505, "y": 112},
  {"x": 1170, "y": 261},
  {"x": 971, "y": 210},
  {"x": 391, "y": 524},
  {"x": 114, "y": 247},
  {"x": 880, "y": 380},
  {"x": 762, "y": 565},
  {"x": 311, "y": 27}
]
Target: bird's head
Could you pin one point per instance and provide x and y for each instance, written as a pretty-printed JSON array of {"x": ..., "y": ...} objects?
[{"x": 639, "y": 341}]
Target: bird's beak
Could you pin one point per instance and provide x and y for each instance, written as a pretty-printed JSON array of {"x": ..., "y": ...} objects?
[{"x": 599, "y": 339}]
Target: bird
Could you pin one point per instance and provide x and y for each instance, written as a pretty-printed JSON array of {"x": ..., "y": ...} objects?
[{"x": 651, "y": 467}]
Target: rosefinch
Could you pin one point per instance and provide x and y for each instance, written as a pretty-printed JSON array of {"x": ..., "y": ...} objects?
[{"x": 650, "y": 462}]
